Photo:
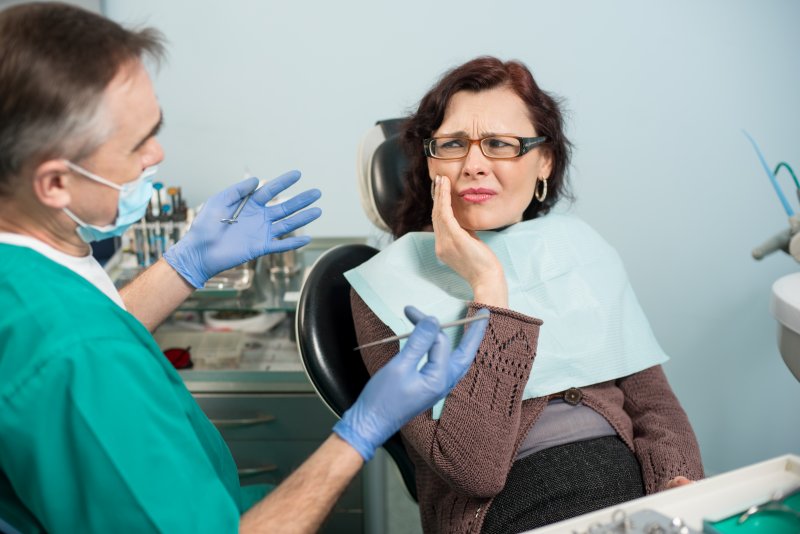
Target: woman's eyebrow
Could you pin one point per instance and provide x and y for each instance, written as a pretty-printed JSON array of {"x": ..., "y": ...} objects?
[{"x": 462, "y": 133}]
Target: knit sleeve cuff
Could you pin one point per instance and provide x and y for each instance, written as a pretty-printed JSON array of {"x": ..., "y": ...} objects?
[
  {"x": 503, "y": 312},
  {"x": 509, "y": 345}
]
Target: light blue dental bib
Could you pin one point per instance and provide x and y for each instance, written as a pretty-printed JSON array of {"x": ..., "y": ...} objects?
[{"x": 557, "y": 269}]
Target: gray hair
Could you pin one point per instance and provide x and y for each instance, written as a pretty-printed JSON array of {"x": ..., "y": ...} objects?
[{"x": 55, "y": 64}]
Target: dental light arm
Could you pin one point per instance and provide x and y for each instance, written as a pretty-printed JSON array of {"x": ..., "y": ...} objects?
[
  {"x": 787, "y": 240},
  {"x": 779, "y": 241}
]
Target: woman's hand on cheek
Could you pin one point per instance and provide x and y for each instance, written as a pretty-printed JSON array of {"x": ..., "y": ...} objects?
[{"x": 463, "y": 252}]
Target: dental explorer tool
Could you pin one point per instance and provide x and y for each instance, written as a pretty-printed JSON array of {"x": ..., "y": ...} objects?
[
  {"x": 441, "y": 326},
  {"x": 247, "y": 174}
]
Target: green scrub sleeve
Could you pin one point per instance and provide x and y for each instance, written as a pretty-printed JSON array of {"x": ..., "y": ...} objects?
[{"x": 105, "y": 441}]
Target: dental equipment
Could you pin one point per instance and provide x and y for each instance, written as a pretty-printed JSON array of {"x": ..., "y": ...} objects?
[
  {"x": 407, "y": 334},
  {"x": 158, "y": 186},
  {"x": 235, "y": 216},
  {"x": 776, "y": 504},
  {"x": 787, "y": 240},
  {"x": 771, "y": 175}
]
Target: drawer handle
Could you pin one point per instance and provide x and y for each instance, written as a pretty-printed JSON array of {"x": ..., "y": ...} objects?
[
  {"x": 252, "y": 471},
  {"x": 222, "y": 423}
]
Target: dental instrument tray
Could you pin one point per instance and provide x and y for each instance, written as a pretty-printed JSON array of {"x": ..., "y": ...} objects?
[
  {"x": 779, "y": 515},
  {"x": 641, "y": 522},
  {"x": 228, "y": 284},
  {"x": 752, "y": 499}
]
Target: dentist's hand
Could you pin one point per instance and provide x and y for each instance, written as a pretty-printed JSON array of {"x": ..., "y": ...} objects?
[
  {"x": 462, "y": 251},
  {"x": 398, "y": 392},
  {"x": 211, "y": 246}
]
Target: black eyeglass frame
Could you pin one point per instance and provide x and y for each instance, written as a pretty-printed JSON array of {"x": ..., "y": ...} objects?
[{"x": 526, "y": 144}]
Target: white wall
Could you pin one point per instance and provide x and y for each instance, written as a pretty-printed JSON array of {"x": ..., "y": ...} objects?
[{"x": 657, "y": 93}]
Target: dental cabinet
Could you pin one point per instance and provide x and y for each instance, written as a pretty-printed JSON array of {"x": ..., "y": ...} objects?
[{"x": 248, "y": 379}]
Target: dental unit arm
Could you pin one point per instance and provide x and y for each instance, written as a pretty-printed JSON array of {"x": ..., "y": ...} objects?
[{"x": 787, "y": 240}]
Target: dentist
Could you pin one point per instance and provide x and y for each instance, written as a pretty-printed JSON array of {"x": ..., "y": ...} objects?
[{"x": 97, "y": 431}]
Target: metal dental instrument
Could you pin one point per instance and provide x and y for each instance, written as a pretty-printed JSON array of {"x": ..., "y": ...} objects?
[
  {"x": 238, "y": 209},
  {"x": 442, "y": 326},
  {"x": 776, "y": 504},
  {"x": 247, "y": 174}
]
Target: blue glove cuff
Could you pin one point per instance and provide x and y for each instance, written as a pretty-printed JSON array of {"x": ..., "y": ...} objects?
[
  {"x": 343, "y": 429},
  {"x": 173, "y": 257}
]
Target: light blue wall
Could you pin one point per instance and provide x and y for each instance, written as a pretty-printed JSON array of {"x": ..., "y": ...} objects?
[{"x": 657, "y": 93}]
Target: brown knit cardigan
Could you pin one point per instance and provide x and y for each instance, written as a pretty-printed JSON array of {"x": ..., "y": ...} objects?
[{"x": 462, "y": 460}]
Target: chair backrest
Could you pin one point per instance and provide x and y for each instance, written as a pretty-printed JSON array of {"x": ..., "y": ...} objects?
[
  {"x": 326, "y": 338},
  {"x": 381, "y": 168}
]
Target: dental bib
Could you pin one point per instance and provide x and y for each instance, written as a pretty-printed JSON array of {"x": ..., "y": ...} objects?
[{"x": 558, "y": 269}]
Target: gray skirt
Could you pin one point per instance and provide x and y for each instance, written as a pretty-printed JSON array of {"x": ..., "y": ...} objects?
[{"x": 563, "y": 482}]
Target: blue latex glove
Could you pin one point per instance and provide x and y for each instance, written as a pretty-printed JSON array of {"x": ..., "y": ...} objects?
[
  {"x": 211, "y": 246},
  {"x": 398, "y": 392}
]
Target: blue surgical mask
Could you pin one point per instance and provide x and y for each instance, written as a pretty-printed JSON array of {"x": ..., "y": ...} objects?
[{"x": 134, "y": 198}]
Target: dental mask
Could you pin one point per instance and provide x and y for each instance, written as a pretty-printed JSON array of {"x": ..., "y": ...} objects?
[
  {"x": 134, "y": 197},
  {"x": 558, "y": 269}
]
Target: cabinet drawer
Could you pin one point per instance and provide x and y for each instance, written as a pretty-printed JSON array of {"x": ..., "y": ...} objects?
[
  {"x": 339, "y": 523},
  {"x": 256, "y": 417},
  {"x": 272, "y": 461}
]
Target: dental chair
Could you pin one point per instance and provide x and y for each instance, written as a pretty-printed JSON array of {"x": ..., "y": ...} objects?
[
  {"x": 381, "y": 165},
  {"x": 324, "y": 323}
]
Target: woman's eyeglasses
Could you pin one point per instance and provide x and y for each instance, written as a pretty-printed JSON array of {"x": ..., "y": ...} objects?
[{"x": 495, "y": 146}]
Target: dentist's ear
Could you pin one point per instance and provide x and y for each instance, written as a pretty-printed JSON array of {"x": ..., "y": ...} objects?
[{"x": 50, "y": 180}]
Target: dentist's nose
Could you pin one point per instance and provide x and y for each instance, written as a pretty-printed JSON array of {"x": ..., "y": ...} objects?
[{"x": 153, "y": 155}]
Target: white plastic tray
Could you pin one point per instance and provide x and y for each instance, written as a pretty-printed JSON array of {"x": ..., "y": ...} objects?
[{"x": 714, "y": 498}]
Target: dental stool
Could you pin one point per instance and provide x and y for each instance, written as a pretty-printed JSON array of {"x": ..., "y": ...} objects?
[{"x": 324, "y": 322}]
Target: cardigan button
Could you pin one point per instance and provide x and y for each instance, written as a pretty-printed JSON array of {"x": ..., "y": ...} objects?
[{"x": 573, "y": 396}]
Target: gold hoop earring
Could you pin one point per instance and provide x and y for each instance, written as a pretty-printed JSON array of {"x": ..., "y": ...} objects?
[{"x": 540, "y": 196}]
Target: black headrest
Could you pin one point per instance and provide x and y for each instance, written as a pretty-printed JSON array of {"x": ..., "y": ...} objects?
[
  {"x": 389, "y": 166},
  {"x": 381, "y": 171},
  {"x": 390, "y": 127}
]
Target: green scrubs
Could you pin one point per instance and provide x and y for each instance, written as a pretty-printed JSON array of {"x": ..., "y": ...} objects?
[{"x": 97, "y": 431}]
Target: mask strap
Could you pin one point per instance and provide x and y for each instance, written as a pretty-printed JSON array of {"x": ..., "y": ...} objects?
[
  {"x": 74, "y": 218},
  {"x": 92, "y": 176},
  {"x": 149, "y": 171}
]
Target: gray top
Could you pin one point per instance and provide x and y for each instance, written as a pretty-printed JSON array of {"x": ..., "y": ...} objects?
[{"x": 562, "y": 423}]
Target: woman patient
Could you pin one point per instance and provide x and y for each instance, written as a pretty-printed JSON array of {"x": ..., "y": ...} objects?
[{"x": 566, "y": 408}]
